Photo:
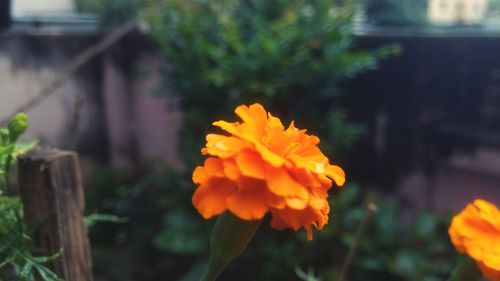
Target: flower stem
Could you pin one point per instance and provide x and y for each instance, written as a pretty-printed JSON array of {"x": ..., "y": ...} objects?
[
  {"x": 467, "y": 270},
  {"x": 215, "y": 267},
  {"x": 7, "y": 175},
  {"x": 229, "y": 239},
  {"x": 370, "y": 210}
]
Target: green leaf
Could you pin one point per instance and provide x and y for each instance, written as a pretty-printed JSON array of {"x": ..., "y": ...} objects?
[
  {"x": 425, "y": 225},
  {"x": 25, "y": 272},
  {"x": 46, "y": 273},
  {"x": 22, "y": 148},
  {"x": 306, "y": 276},
  {"x": 6, "y": 150},
  {"x": 92, "y": 219},
  {"x": 347, "y": 197}
]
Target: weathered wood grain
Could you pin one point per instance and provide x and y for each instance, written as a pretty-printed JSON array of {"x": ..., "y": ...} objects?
[{"x": 52, "y": 194}]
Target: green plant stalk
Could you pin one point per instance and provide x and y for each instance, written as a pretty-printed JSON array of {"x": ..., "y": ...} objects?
[
  {"x": 466, "y": 270},
  {"x": 16, "y": 127},
  {"x": 216, "y": 265},
  {"x": 370, "y": 211},
  {"x": 229, "y": 239},
  {"x": 3, "y": 276},
  {"x": 7, "y": 175}
]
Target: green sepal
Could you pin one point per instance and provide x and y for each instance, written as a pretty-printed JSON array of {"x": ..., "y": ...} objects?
[
  {"x": 229, "y": 239},
  {"x": 466, "y": 270}
]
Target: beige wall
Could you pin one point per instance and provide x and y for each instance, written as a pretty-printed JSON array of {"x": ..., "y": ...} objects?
[
  {"x": 121, "y": 121},
  {"x": 24, "y": 70}
]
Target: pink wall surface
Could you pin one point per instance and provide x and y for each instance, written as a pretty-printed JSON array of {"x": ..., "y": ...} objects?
[
  {"x": 124, "y": 124},
  {"x": 120, "y": 120}
]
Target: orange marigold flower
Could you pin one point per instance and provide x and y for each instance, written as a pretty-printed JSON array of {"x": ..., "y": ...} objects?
[
  {"x": 476, "y": 232},
  {"x": 262, "y": 167}
]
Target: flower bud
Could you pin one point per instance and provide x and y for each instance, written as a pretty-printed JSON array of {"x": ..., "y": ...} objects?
[
  {"x": 4, "y": 136},
  {"x": 18, "y": 125}
]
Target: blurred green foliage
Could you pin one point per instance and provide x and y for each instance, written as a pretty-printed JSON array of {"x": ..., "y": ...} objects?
[
  {"x": 288, "y": 55},
  {"x": 18, "y": 260},
  {"x": 17, "y": 253},
  {"x": 493, "y": 10},
  {"x": 396, "y": 12},
  {"x": 164, "y": 236},
  {"x": 390, "y": 250},
  {"x": 10, "y": 149},
  {"x": 112, "y": 13}
]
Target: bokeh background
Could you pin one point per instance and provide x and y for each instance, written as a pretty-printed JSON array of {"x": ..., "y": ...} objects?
[{"x": 404, "y": 94}]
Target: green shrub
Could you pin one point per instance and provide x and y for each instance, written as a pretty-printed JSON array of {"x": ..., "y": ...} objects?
[
  {"x": 396, "y": 12},
  {"x": 288, "y": 55}
]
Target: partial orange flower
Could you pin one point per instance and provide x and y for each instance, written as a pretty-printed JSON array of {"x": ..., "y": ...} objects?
[
  {"x": 476, "y": 232},
  {"x": 261, "y": 168}
]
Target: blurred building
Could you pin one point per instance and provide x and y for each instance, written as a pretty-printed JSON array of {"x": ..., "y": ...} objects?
[
  {"x": 107, "y": 110},
  {"x": 35, "y": 8},
  {"x": 450, "y": 12},
  {"x": 432, "y": 114}
]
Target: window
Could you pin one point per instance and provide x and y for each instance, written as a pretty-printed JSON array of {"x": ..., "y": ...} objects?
[
  {"x": 50, "y": 16},
  {"x": 22, "y": 8},
  {"x": 466, "y": 12}
]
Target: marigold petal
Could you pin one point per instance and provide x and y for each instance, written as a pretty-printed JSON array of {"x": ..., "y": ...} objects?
[
  {"x": 316, "y": 202},
  {"x": 336, "y": 174},
  {"x": 488, "y": 272},
  {"x": 281, "y": 183},
  {"x": 223, "y": 146},
  {"x": 296, "y": 203},
  {"x": 269, "y": 156},
  {"x": 295, "y": 219},
  {"x": 274, "y": 122},
  {"x": 488, "y": 212},
  {"x": 210, "y": 197},
  {"x": 286, "y": 218},
  {"x": 275, "y": 201},
  {"x": 456, "y": 239},
  {"x": 199, "y": 175},
  {"x": 251, "y": 164},
  {"x": 315, "y": 165},
  {"x": 254, "y": 117},
  {"x": 213, "y": 167},
  {"x": 268, "y": 168},
  {"x": 258, "y": 112},
  {"x": 475, "y": 232},
  {"x": 231, "y": 128},
  {"x": 231, "y": 170},
  {"x": 247, "y": 203},
  {"x": 324, "y": 181},
  {"x": 491, "y": 254},
  {"x": 277, "y": 140},
  {"x": 278, "y": 223},
  {"x": 309, "y": 232}
]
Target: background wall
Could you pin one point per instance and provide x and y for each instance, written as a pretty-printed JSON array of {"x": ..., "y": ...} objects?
[
  {"x": 432, "y": 115},
  {"x": 433, "y": 119},
  {"x": 107, "y": 111}
]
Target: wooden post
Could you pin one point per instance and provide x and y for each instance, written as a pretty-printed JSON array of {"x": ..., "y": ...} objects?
[{"x": 52, "y": 194}]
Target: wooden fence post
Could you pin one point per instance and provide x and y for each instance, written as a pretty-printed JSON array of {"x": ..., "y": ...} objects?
[{"x": 52, "y": 194}]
